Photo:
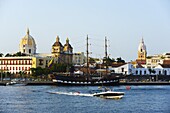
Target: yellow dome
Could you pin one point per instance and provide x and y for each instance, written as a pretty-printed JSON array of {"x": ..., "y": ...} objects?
[
  {"x": 27, "y": 44},
  {"x": 27, "y": 40}
]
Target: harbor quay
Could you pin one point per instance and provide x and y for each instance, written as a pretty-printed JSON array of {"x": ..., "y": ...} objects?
[{"x": 129, "y": 80}]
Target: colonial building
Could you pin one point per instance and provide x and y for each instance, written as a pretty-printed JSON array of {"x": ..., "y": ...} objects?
[
  {"x": 79, "y": 58},
  {"x": 129, "y": 69},
  {"x": 142, "y": 53},
  {"x": 155, "y": 60},
  {"x": 15, "y": 65},
  {"x": 27, "y": 44},
  {"x": 32, "y": 59},
  {"x": 64, "y": 54}
]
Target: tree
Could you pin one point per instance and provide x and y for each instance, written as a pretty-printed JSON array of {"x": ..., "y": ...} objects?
[
  {"x": 91, "y": 60},
  {"x": 1, "y": 54},
  {"x": 8, "y": 55},
  {"x": 19, "y": 54},
  {"x": 120, "y": 60},
  {"x": 151, "y": 71},
  {"x": 108, "y": 60}
]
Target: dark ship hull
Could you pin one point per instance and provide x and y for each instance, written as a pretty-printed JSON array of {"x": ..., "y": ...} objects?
[{"x": 83, "y": 80}]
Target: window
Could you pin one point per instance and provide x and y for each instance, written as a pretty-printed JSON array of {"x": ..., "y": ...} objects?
[
  {"x": 29, "y": 50},
  {"x": 136, "y": 72},
  {"x": 40, "y": 61},
  {"x": 122, "y": 69},
  {"x": 145, "y": 72},
  {"x": 140, "y": 72}
]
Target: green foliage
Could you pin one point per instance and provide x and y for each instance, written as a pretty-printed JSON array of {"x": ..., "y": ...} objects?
[
  {"x": 8, "y": 55},
  {"x": 151, "y": 71},
  {"x": 120, "y": 60},
  {"x": 108, "y": 60},
  {"x": 1, "y": 54},
  {"x": 15, "y": 55},
  {"x": 19, "y": 54},
  {"x": 91, "y": 60},
  {"x": 54, "y": 68}
]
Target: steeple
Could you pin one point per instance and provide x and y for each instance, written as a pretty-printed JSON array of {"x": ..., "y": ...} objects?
[
  {"x": 142, "y": 41},
  {"x": 67, "y": 41},
  {"x": 57, "y": 39},
  {"x": 142, "y": 52},
  {"x": 28, "y": 32}
]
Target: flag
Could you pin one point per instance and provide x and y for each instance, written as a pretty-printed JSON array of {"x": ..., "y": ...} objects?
[{"x": 51, "y": 63}]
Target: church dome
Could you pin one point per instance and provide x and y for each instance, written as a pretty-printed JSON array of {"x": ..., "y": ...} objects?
[
  {"x": 58, "y": 43},
  {"x": 27, "y": 44},
  {"x": 142, "y": 46},
  {"x": 68, "y": 44}
]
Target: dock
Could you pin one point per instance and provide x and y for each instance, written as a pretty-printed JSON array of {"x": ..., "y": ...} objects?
[
  {"x": 145, "y": 83},
  {"x": 28, "y": 83}
]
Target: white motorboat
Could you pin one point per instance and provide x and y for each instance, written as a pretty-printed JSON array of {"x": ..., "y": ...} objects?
[{"x": 109, "y": 94}]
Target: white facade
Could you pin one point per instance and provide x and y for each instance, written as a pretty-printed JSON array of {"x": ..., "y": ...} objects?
[
  {"x": 129, "y": 69},
  {"x": 124, "y": 69},
  {"x": 79, "y": 58},
  {"x": 15, "y": 65}
]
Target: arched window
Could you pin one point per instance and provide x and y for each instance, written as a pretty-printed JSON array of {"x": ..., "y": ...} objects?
[
  {"x": 136, "y": 72},
  {"x": 140, "y": 72},
  {"x": 165, "y": 72},
  {"x": 145, "y": 72}
]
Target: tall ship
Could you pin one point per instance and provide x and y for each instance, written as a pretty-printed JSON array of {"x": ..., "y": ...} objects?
[{"x": 88, "y": 79}]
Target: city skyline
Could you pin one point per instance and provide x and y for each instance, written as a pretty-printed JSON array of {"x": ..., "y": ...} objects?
[{"x": 124, "y": 23}]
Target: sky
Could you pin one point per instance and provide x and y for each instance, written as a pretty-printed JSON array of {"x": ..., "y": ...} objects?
[{"x": 123, "y": 22}]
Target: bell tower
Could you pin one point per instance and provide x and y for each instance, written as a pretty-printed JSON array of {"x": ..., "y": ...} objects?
[{"x": 142, "y": 53}]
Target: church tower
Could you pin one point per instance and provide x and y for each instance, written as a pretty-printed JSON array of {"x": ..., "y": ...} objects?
[
  {"x": 57, "y": 50},
  {"x": 27, "y": 44},
  {"x": 68, "y": 52},
  {"x": 142, "y": 53}
]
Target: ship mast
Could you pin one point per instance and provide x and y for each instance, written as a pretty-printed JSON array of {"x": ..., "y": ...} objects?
[
  {"x": 87, "y": 53},
  {"x": 106, "y": 56}
]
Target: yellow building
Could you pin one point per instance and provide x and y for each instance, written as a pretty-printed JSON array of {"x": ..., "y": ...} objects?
[
  {"x": 15, "y": 65},
  {"x": 64, "y": 54}
]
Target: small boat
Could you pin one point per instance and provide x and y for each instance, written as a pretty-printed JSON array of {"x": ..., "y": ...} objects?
[{"x": 109, "y": 94}]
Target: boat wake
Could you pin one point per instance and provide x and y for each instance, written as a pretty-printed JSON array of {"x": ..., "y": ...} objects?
[{"x": 73, "y": 93}]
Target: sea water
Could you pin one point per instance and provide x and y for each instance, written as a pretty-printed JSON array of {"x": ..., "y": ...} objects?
[{"x": 43, "y": 99}]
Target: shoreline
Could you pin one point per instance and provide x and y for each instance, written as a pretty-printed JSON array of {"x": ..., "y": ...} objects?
[
  {"x": 144, "y": 83},
  {"x": 36, "y": 83}
]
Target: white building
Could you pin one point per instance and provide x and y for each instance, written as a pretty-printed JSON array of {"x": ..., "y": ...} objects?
[
  {"x": 79, "y": 58},
  {"x": 27, "y": 44},
  {"x": 129, "y": 69}
]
